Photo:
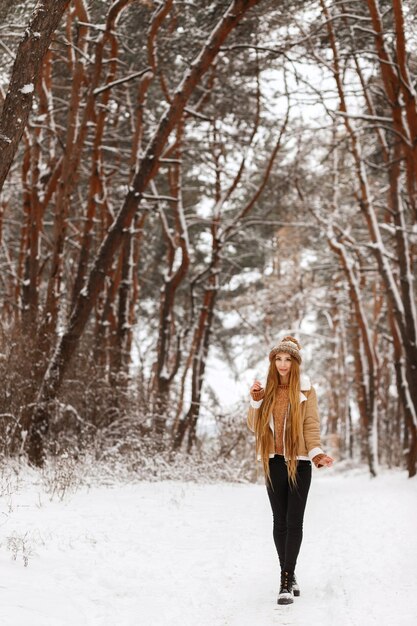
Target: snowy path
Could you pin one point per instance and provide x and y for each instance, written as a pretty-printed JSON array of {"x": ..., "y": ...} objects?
[{"x": 185, "y": 554}]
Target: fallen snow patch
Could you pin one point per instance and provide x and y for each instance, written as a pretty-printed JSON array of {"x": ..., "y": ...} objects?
[{"x": 27, "y": 88}]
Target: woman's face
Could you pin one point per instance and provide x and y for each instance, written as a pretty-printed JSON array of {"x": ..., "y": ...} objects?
[{"x": 283, "y": 364}]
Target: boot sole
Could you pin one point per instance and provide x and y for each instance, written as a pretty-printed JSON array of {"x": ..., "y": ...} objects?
[
  {"x": 285, "y": 600},
  {"x": 296, "y": 593}
]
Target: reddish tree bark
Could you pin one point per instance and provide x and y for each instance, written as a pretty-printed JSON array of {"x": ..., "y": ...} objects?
[
  {"x": 169, "y": 357},
  {"x": 25, "y": 74}
]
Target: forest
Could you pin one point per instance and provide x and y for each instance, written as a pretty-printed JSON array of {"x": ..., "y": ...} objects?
[{"x": 184, "y": 180}]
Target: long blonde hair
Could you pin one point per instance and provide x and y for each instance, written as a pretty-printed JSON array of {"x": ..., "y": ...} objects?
[{"x": 293, "y": 423}]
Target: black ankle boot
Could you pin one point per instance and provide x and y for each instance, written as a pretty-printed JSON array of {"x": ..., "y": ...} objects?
[
  {"x": 285, "y": 591},
  {"x": 295, "y": 586}
]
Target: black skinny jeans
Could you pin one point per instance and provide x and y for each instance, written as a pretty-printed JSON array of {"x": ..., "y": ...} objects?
[{"x": 288, "y": 505}]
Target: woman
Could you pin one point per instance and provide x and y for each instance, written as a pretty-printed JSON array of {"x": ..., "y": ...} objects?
[{"x": 285, "y": 420}]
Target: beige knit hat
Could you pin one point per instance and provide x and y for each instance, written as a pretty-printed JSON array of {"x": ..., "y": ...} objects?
[{"x": 289, "y": 345}]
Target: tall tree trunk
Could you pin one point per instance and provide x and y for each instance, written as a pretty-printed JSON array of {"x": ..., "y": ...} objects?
[
  {"x": 200, "y": 347},
  {"x": 25, "y": 73}
]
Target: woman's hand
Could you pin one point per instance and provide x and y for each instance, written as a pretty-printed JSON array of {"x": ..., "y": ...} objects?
[
  {"x": 257, "y": 391},
  {"x": 322, "y": 460},
  {"x": 257, "y": 386}
]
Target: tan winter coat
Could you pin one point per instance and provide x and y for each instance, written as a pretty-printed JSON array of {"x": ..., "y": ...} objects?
[{"x": 309, "y": 442}]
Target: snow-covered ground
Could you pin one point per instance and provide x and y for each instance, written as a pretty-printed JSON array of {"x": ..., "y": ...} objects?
[{"x": 192, "y": 554}]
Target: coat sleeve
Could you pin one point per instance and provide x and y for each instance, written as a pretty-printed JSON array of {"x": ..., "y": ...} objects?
[
  {"x": 312, "y": 426},
  {"x": 253, "y": 413}
]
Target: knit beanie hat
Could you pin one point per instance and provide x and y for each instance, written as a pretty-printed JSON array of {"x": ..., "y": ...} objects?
[{"x": 289, "y": 345}]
